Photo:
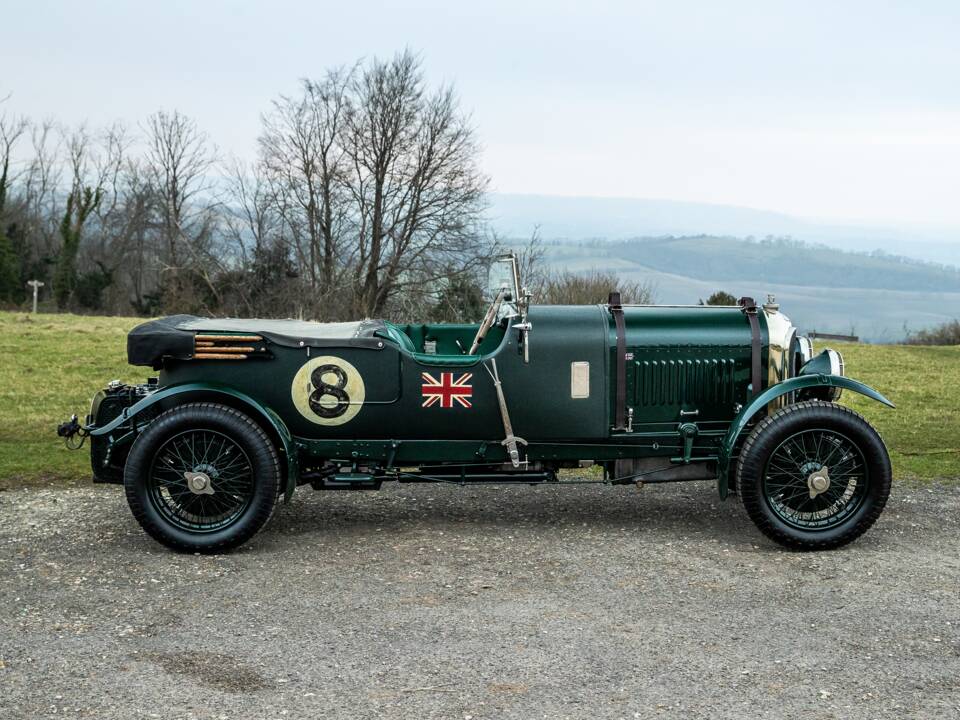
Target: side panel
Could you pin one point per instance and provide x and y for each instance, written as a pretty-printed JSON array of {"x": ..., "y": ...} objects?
[
  {"x": 272, "y": 382},
  {"x": 396, "y": 395},
  {"x": 684, "y": 363},
  {"x": 550, "y": 398}
]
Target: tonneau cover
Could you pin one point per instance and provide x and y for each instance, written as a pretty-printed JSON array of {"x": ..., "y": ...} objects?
[{"x": 172, "y": 337}]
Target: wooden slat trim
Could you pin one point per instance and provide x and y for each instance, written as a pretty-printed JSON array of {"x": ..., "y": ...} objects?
[
  {"x": 228, "y": 349},
  {"x": 229, "y": 338},
  {"x": 218, "y": 356}
]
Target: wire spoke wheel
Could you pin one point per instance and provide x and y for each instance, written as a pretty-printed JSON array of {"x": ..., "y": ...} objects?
[
  {"x": 815, "y": 479},
  {"x": 201, "y": 480},
  {"x": 202, "y": 477},
  {"x": 813, "y": 475}
]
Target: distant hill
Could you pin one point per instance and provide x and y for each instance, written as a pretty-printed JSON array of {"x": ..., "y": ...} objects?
[
  {"x": 785, "y": 261},
  {"x": 878, "y": 298},
  {"x": 579, "y": 218}
]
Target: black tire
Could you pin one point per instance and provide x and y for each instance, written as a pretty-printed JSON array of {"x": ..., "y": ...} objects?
[
  {"x": 786, "y": 450},
  {"x": 238, "y": 463}
]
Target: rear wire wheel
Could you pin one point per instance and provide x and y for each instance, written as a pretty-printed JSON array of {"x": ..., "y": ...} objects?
[
  {"x": 202, "y": 478},
  {"x": 814, "y": 475}
]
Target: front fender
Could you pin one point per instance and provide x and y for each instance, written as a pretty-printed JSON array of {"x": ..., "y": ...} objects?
[
  {"x": 772, "y": 393},
  {"x": 209, "y": 391}
]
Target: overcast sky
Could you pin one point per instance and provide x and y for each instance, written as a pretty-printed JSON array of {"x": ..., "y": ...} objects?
[{"x": 828, "y": 110}]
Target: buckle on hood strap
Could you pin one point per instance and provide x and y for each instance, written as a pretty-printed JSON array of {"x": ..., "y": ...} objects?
[
  {"x": 616, "y": 309},
  {"x": 749, "y": 308}
]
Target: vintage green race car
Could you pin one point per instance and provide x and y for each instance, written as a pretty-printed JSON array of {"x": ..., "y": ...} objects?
[{"x": 245, "y": 411}]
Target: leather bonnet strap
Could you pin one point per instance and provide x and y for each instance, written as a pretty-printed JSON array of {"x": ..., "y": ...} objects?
[
  {"x": 749, "y": 308},
  {"x": 616, "y": 309}
]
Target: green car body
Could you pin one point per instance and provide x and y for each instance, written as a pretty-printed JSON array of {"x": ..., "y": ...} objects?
[{"x": 659, "y": 393}]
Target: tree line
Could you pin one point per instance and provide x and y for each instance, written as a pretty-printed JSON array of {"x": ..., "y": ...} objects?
[
  {"x": 365, "y": 199},
  {"x": 947, "y": 333}
]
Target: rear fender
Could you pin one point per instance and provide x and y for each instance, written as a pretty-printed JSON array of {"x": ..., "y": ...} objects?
[
  {"x": 772, "y": 393},
  {"x": 191, "y": 392}
]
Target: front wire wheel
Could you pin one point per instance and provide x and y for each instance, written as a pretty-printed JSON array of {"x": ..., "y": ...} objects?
[
  {"x": 202, "y": 477},
  {"x": 814, "y": 475}
]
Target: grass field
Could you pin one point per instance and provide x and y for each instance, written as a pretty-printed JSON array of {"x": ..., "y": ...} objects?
[{"x": 50, "y": 366}]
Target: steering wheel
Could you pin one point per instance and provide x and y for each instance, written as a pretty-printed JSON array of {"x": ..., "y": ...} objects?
[{"x": 488, "y": 319}]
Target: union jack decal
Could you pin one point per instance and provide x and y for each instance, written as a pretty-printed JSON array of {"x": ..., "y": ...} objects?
[{"x": 446, "y": 390}]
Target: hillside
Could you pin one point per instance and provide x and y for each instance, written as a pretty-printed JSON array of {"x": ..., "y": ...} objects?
[
  {"x": 612, "y": 218},
  {"x": 777, "y": 260},
  {"x": 875, "y": 297},
  {"x": 54, "y": 363}
]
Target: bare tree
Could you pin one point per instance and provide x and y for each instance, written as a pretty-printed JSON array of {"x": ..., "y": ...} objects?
[
  {"x": 251, "y": 217},
  {"x": 11, "y": 286},
  {"x": 108, "y": 245},
  {"x": 11, "y": 129},
  {"x": 83, "y": 199},
  {"x": 569, "y": 288},
  {"x": 178, "y": 161},
  {"x": 301, "y": 155},
  {"x": 264, "y": 282},
  {"x": 415, "y": 183},
  {"x": 376, "y": 186},
  {"x": 38, "y": 200},
  {"x": 530, "y": 263},
  {"x": 111, "y": 166},
  {"x": 366, "y": 199},
  {"x": 135, "y": 241},
  {"x": 119, "y": 260}
]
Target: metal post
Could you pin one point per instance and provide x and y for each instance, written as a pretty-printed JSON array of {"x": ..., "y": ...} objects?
[{"x": 36, "y": 285}]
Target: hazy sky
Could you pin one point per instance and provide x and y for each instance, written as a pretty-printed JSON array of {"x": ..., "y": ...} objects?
[{"x": 822, "y": 109}]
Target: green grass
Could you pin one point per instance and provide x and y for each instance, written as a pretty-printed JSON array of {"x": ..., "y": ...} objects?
[
  {"x": 923, "y": 433},
  {"x": 50, "y": 366}
]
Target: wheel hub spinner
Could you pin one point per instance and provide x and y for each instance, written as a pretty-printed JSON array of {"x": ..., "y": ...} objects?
[
  {"x": 199, "y": 483},
  {"x": 818, "y": 481}
]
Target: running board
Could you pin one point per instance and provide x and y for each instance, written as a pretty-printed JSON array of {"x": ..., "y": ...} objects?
[{"x": 520, "y": 478}]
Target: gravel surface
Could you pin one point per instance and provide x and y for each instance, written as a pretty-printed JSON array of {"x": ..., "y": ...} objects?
[{"x": 442, "y": 602}]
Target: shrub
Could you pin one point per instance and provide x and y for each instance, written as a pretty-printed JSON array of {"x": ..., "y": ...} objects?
[
  {"x": 946, "y": 334},
  {"x": 720, "y": 297},
  {"x": 567, "y": 288}
]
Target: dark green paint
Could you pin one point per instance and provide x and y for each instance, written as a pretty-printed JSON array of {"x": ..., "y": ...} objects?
[
  {"x": 684, "y": 359},
  {"x": 538, "y": 393},
  {"x": 687, "y": 382}
]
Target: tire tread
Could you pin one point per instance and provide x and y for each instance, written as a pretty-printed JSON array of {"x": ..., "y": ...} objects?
[
  {"x": 752, "y": 497},
  {"x": 134, "y": 469}
]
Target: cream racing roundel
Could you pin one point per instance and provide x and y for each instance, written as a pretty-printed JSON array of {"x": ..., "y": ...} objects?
[{"x": 328, "y": 390}]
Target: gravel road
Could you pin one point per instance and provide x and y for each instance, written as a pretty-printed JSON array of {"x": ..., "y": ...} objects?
[{"x": 442, "y": 602}]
